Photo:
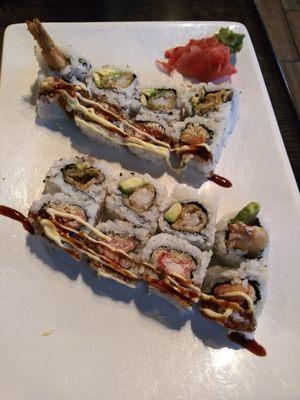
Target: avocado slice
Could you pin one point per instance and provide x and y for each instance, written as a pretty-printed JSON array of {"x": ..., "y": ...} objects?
[
  {"x": 129, "y": 185},
  {"x": 247, "y": 214},
  {"x": 173, "y": 212}
]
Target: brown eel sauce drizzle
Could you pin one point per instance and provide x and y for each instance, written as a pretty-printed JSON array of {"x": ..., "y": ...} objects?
[
  {"x": 220, "y": 180},
  {"x": 16, "y": 215},
  {"x": 249, "y": 344}
]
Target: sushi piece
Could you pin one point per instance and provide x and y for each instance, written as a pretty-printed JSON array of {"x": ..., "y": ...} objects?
[
  {"x": 190, "y": 216},
  {"x": 59, "y": 207},
  {"x": 78, "y": 174},
  {"x": 135, "y": 198},
  {"x": 235, "y": 296},
  {"x": 210, "y": 100},
  {"x": 200, "y": 142},
  {"x": 116, "y": 85},
  {"x": 241, "y": 236},
  {"x": 176, "y": 263},
  {"x": 124, "y": 246},
  {"x": 158, "y": 104}
]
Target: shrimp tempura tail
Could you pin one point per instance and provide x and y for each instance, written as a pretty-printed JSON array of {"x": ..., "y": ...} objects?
[{"x": 53, "y": 56}]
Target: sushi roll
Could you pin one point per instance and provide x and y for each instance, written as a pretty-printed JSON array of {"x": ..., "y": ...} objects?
[
  {"x": 245, "y": 286},
  {"x": 135, "y": 198},
  {"x": 78, "y": 175},
  {"x": 176, "y": 264},
  {"x": 191, "y": 216},
  {"x": 115, "y": 85},
  {"x": 75, "y": 213},
  {"x": 241, "y": 236}
]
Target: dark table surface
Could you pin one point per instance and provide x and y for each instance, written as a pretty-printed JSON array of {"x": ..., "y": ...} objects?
[{"x": 244, "y": 11}]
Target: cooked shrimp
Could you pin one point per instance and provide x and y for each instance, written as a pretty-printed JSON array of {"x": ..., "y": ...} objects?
[
  {"x": 53, "y": 56},
  {"x": 141, "y": 199},
  {"x": 252, "y": 239}
]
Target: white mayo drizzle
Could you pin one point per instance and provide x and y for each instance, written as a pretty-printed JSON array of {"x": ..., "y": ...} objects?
[
  {"x": 161, "y": 148},
  {"x": 154, "y": 149},
  {"x": 118, "y": 117},
  {"x": 215, "y": 315},
  {"x": 240, "y": 294},
  {"x": 51, "y": 232}
]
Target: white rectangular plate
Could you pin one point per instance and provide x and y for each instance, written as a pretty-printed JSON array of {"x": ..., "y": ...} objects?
[{"x": 66, "y": 335}]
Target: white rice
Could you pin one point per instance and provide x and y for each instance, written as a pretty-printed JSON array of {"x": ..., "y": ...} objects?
[{"x": 119, "y": 97}]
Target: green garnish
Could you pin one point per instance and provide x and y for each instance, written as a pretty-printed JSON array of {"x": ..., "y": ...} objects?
[
  {"x": 247, "y": 214},
  {"x": 83, "y": 62},
  {"x": 231, "y": 39},
  {"x": 150, "y": 92}
]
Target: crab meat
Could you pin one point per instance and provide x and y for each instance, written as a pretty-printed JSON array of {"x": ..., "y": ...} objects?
[
  {"x": 126, "y": 244},
  {"x": 174, "y": 262}
]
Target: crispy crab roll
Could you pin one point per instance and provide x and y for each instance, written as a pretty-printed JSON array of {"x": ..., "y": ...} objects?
[
  {"x": 78, "y": 174},
  {"x": 64, "y": 211},
  {"x": 241, "y": 236},
  {"x": 191, "y": 216},
  {"x": 124, "y": 239},
  {"x": 135, "y": 198},
  {"x": 114, "y": 84},
  {"x": 245, "y": 286},
  {"x": 176, "y": 264},
  {"x": 124, "y": 235}
]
